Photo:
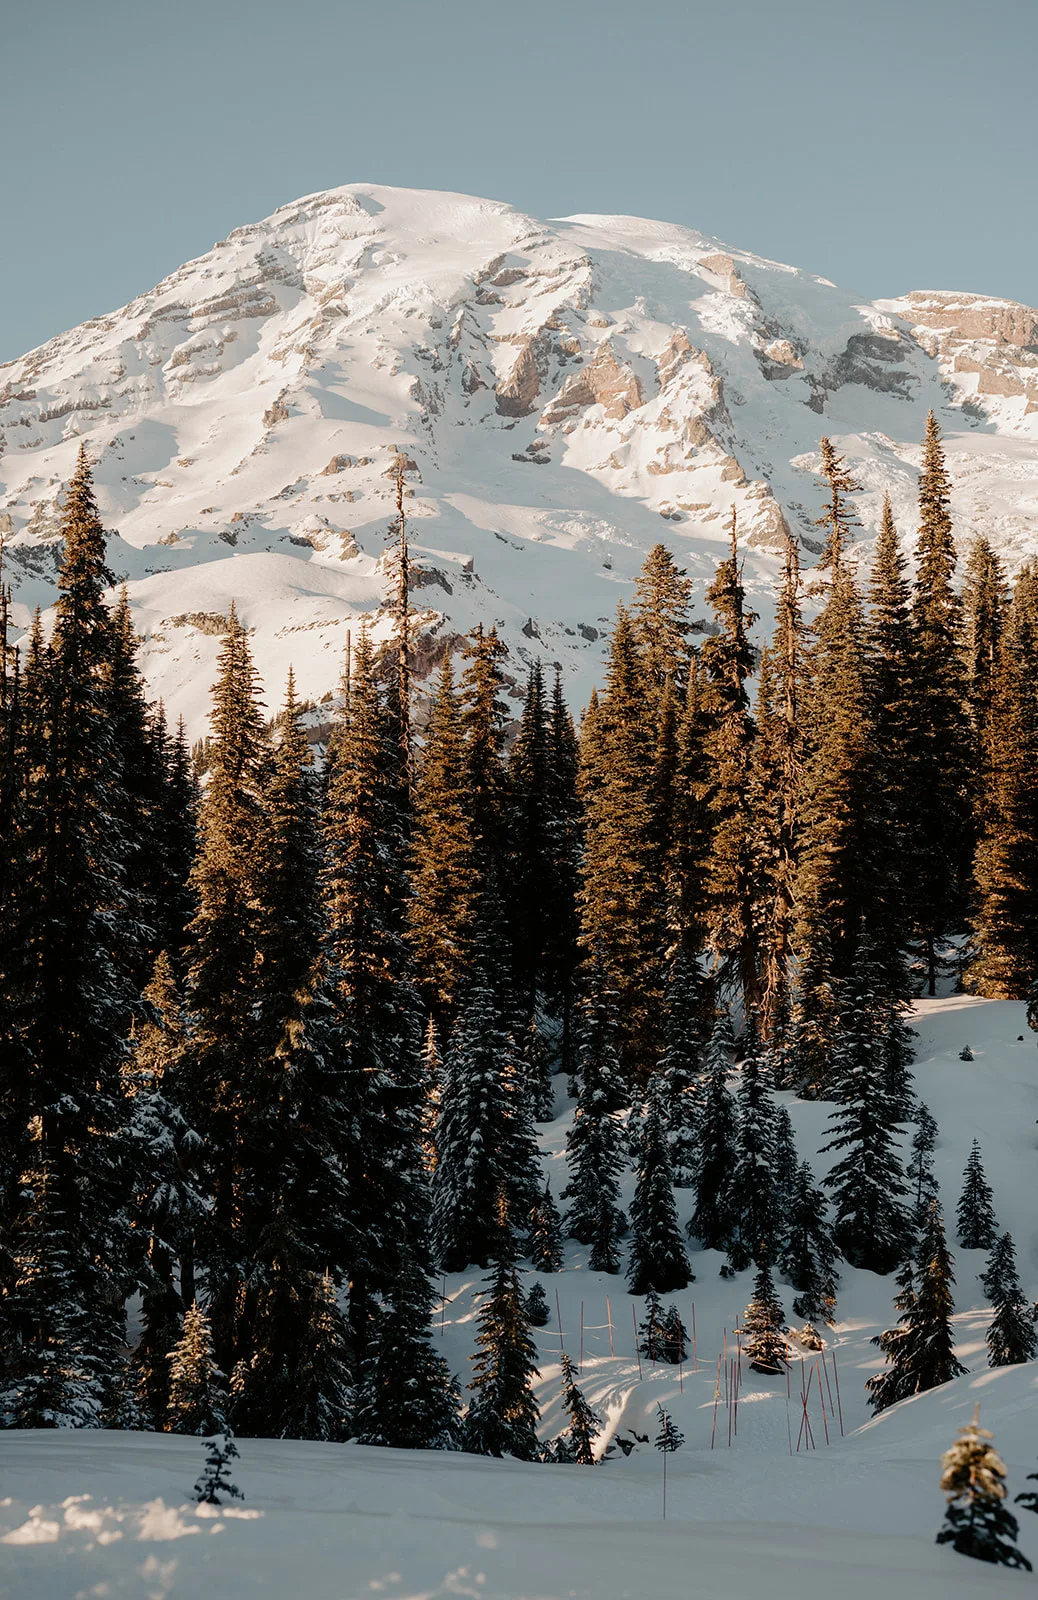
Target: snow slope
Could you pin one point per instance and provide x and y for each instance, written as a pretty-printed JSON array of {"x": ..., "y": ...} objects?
[
  {"x": 567, "y": 394},
  {"x": 107, "y": 1514}
]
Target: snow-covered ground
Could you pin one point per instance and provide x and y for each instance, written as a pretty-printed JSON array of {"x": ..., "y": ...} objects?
[
  {"x": 97, "y": 1515},
  {"x": 567, "y": 392}
]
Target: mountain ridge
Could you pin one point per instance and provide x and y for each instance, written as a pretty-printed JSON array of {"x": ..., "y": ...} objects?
[{"x": 564, "y": 393}]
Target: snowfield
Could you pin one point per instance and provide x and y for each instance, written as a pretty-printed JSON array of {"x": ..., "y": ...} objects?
[
  {"x": 106, "y": 1514},
  {"x": 566, "y": 394}
]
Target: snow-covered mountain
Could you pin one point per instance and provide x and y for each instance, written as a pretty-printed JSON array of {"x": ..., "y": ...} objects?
[{"x": 565, "y": 393}]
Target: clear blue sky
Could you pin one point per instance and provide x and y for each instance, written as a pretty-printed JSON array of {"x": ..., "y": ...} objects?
[{"x": 887, "y": 144}]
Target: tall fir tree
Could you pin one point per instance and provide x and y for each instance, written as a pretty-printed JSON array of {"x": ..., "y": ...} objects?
[
  {"x": 408, "y": 1398},
  {"x": 621, "y": 898},
  {"x": 808, "y": 1256},
  {"x": 872, "y": 1225},
  {"x": 765, "y": 1344},
  {"x": 503, "y": 1415},
  {"x": 753, "y": 1197},
  {"x": 975, "y": 1216},
  {"x": 444, "y": 873},
  {"x": 68, "y": 992},
  {"x": 712, "y": 1221},
  {"x": 727, "y": 659},
  {"x": 1005, "y": 875},
  {"x": 939, "y": 762},
  {"x": 921, "y": 1352},
  {"x": 658, "y": 1259},
  {"x": 594, "y": 1143},
  {"x": 577, "y": 1443},
  {"x": 197, "y": 1387},
  {"x": 679, "y": 1066},
  {"x": 1012, "y": 1336},
  {"x": 985, "y": 602}
]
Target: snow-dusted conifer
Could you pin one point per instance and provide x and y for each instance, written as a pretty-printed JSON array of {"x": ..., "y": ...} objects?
[
  {"x": 922, "y": 1185},
  {"x": 670, "y": 1437},
  {"x": 808, "y": 1258},
  {"x": 545, "y": 1237},
  {"x": 658, "y": 1257},
  {"x": 577, "y": 1443},
  {"x": 594, "y": 1144},
  {"x": 408, "y": 1398},
  {"x": 765, "y": 1345},
  {"x": 978, "y": 1522},
  {"x": 679, "y": 1066},
  {"x": 538, "y": 1311},
  {"x": 975, "y": 1216},
  {"x": 867, "y": 1183},
  {"x": 216, "y": 1481},
  {"x": 197, "y": 1392},
  {"x": 1012, "y": 1336},
  {"x": 711, "y": 1221},
  {"x": 502, "y": 1418},
  {"x": 753, "y": 1194}
]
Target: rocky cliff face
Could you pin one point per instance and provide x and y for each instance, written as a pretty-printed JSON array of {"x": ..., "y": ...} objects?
[{"x": 565, "y": 394}]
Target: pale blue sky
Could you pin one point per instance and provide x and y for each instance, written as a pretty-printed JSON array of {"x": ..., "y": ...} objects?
[{"x": 887, "y": 144}]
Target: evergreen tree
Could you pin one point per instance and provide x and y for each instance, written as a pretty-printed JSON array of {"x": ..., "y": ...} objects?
[
  {"x": 763, "y": 1323},
  {"x": 594, "y": 1143},
  {"x": 778, "y": 763},
  {"x": 679, "y": 1066},
  {"x": 377, "y": 1018},
  {"x": 164, "y": 1162},
  {"x": 502, "y": 1418},
  {"x": 867, "y": 1183},
  {"x": 808, "y": 1257},
  {"x": 197, "y": 1392},
  {"x": 670, "y": 1437},
  {"x": 897, "y": 1380},
  {"x": 921, "y": 1352},
  {"x": 730, "y": 869},
  {"x": 662, "y": 619},
  {"x": 978, "y": 1522},
  {"x": 215, "y": 1481},
  {"x": 561, "y": 917},
  {"x": 221, "y": 970},
  {"x": 538, "y": 1085},
  {"x": 484, "y": 1135},
  {"x": 577, "y": 1443},
  {"x": 938, "y": 769},
  {"x": 484, "y": 718},
  {"x": 753, "y": 1200},
  {"x": 445, "y": 882},
  {"x": 985, "y": 601},
  {"x": 1005, "y": 945},
  {"x": 545, "y": 1242},
  {"x": 1012, "y": 1336},
  {"x": 408, "y": 1399},
  {"x": 66, "y": 978},
  {"x": 836, "y": 877},
  {"x": 531, "y": 847},
  {"x": 922, "y": 1185},
  {"x": 620, "y": 896},
  {"x": 658, "y": 1259},
  {"x": 712, "y": 1222},
  {"x": 975, "y": 1217},
  {"x": 892, "y": 701},
  {"x": 538, "y": 1312}
]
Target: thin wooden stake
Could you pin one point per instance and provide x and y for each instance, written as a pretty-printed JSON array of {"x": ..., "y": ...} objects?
[
  {"x": 695, "y": 1359},
  {"x": 828, "y": 1385},
  {"x": 666, "y": 1453},
  {"x": 652, "y": 1335},
  {"x": 637, "y": 1346},
  {"x": 717, "y": 1396},
  {"x": 789, "y": 1430},
  {"x": 443, "y": 1304},
  {"x": 839, "y": 1407},
  {"x": 732, "y": 1386},
  {"x": 609, "y": 1319},
  {"x": 821, "y": 1401},
  {"x": 558, "y": 1313},
  {"x": 580, "y": 1364}
]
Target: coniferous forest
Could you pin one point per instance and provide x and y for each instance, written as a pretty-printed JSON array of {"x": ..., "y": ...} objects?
[{"x": 279, "y": 1014}]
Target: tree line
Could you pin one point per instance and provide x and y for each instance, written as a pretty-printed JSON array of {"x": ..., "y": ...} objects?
[{"x": 275, "y": 1042}]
